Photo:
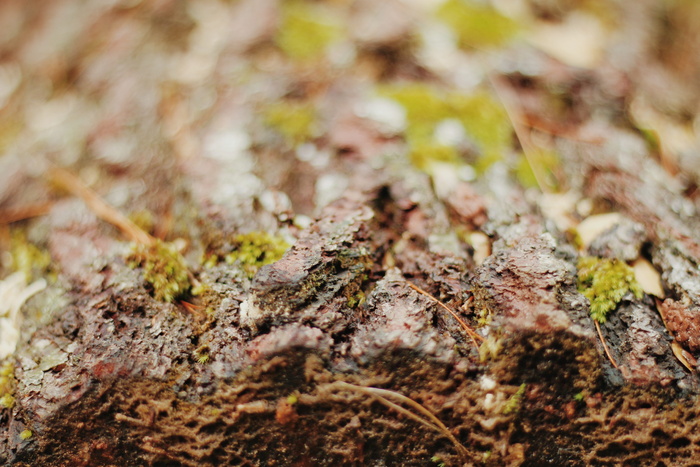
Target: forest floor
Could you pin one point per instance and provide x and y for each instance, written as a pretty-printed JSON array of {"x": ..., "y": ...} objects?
[{"x": 336, "y": 232}]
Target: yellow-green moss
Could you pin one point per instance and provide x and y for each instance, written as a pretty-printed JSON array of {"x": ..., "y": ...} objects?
[
  {"x": 164, "y": 269},
  {"x": 201, "y": 355},
  {"x": 7, "y": 369},
  {"x": 7, "y": 385},
  {"x": 491, "y": 348},
  {"x": 144, "y": 219},
  {"x": 574, "y": 238},
  {"x": 605, "y": 282},
  {"x": 25, "y": 435},
  {"x": 483, "y": 118},
  {"x": 251, "y": 251},
  {"x": 356, "y": 299},
  {"x": 544, "y": 163},
  {"x": 294, "y": 120},
  {"x": 7, "y": 401},
  {"x": 424, "y": 154},
  {"x": 476, "y": 23},
  {"x": 27, "y": 257},
  {"x": 513, "y": 404},
  {"x": 305, "y": 30}
]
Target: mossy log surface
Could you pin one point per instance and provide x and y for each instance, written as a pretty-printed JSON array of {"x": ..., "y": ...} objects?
[{"x": 279, "y": 363}]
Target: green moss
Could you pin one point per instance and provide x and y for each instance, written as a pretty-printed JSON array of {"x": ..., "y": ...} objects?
[
  {"x": 513, "y": 404},
  {"x": 485, "y": 121},
  {"x": 251, "y": 251},
  {"x": 7, "y": 385},
  {"x": 543, "y": 163},
  {"x": 356, "y": 300},
  {"x": 27, "y": 257},
  {"x": 424, "y": 154},
  {"x": 491, "y": 348},
  {"x": 201, "y": 355},
  {"x": 7, "y": 401},
  {"x": 605, "y": 282},
  {"x": 305, "y": 31},
  {"x": 476, "y": 24},
  {"x": 483, "y": 118},
  {"x": 25, "y": 435},
  {"x": 144, "y": 219},
  {"x": 294, "y": 120},
  {"x": 7, "y": 369},
  {"x": 164, "y": 269}
]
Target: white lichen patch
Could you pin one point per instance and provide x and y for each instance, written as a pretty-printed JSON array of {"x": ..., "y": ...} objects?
[{"x": 14, "y": 291}]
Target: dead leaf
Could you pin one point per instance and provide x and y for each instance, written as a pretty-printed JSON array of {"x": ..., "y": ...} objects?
[
  {"x": 648, "y": 277},
  {"x": 683, "y": 356}
]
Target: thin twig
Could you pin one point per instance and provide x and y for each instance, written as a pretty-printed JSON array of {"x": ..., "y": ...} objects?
[
  {"x": 605, "y": 347},
  {"x": 104, "y": 211},
  {"x": 515, "y": 115},
  {"x": 8, "y": 216},
  {"x": 470, "y": 332},
  {"x": 382, "y": 396}
]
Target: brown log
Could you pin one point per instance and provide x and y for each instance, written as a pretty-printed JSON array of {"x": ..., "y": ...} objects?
[{"x": 356, "y": 346}]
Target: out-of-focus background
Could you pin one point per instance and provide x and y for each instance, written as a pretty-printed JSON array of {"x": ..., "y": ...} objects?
[
  {"x": 224, "y": 128},
  {"x": 244, "y": 103}
]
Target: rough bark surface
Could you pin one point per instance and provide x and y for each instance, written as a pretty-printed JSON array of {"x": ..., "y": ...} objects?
[{"x": 282, "y": 364}]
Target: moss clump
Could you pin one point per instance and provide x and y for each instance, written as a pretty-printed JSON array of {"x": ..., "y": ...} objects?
[
  {"x": 7, "y": 385},
  {"x": 201, "y": 355},
  {"x": 164, "y": 269},
  {"x": 491, "y": 348},
  {"x": 356, "y": 299},
  {"x": 476, "y": 24},
  {"x": 305, "y": 31},
  {"x": 295, "y": 121},
  {"x": 27, "y": 257},
  {"x": 25, "y": 435},
  {"x": 513, "y": 404},
  {"x": 484, "y": 120},
  {"x": 251, "y": 251},
  {"x": 605, "y": 282}
]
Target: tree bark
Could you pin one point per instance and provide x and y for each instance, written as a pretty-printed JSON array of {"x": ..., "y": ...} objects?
[{"x": 353, "y": 347}]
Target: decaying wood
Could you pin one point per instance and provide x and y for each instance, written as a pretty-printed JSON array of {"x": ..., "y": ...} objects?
[{"x": 381, "y": 336}]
